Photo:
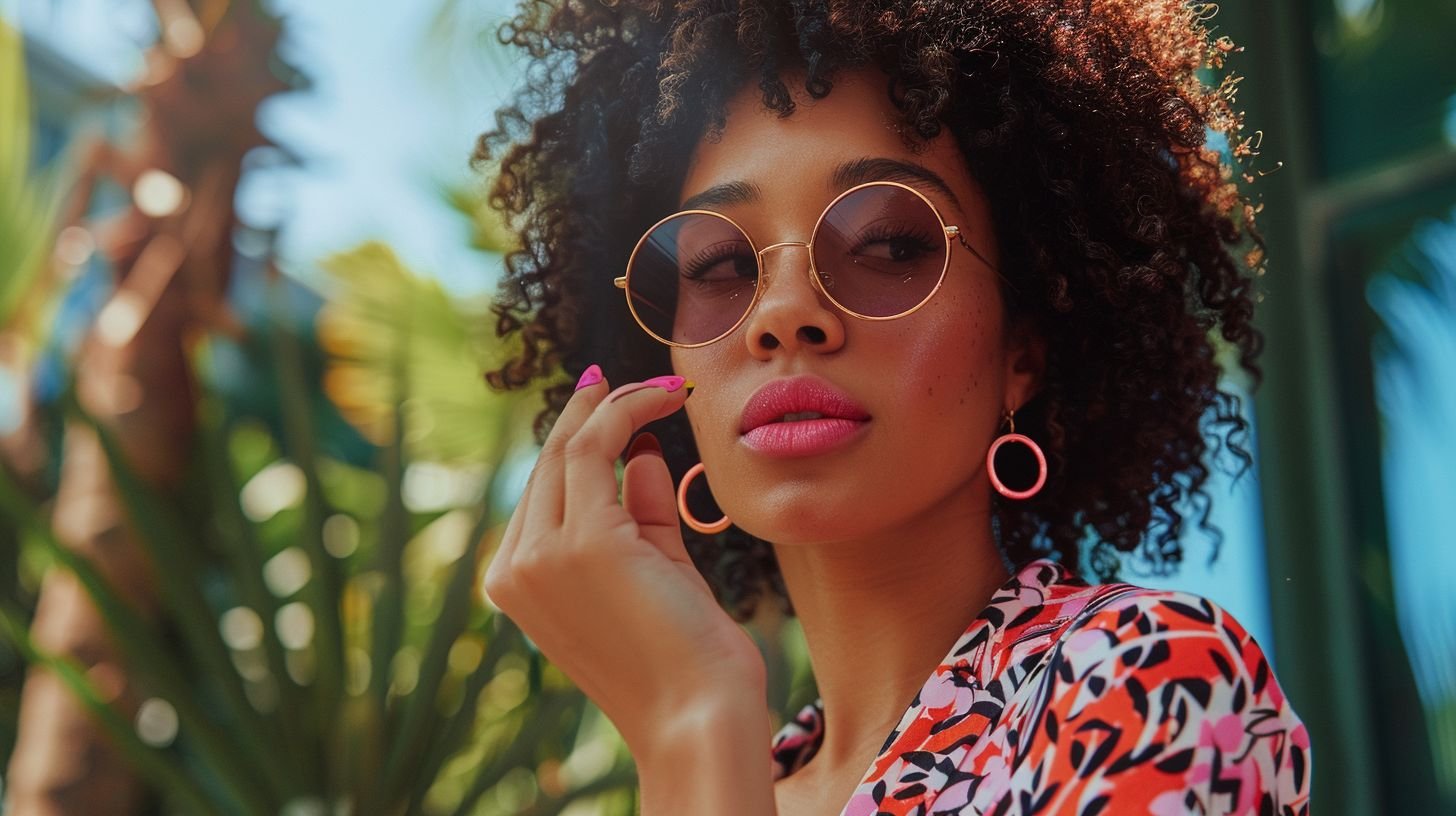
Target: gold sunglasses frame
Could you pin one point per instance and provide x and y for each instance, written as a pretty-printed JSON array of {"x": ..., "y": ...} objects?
[{"x": 950, "y": 232}]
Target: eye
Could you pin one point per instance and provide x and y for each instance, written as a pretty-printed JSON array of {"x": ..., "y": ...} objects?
[
  {"x": 724, "y": 261},
  {"x": 887, "y": 242}
]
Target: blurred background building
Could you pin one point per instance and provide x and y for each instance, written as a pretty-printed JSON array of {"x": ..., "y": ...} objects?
[{"x": 1336, "y": 552}]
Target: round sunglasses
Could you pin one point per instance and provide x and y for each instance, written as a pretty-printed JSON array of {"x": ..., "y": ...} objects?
[{"x": 879, "y": 251}]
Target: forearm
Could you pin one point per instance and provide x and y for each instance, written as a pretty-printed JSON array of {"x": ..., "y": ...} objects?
[{"x": 713, "y": 761}]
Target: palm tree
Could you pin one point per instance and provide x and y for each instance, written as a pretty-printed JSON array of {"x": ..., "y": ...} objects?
[{"x": 171, "y": 253}]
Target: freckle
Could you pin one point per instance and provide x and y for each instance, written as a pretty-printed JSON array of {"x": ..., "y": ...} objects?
[{"x": 930, "y": 392}]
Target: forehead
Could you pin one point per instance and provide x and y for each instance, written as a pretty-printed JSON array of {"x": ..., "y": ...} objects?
[{"x": 801, "y": 153}]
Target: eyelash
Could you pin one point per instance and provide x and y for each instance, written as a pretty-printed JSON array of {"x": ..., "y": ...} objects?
[
  {"x": 708, "y": 257},
  {"x": 880, "y": 233}
]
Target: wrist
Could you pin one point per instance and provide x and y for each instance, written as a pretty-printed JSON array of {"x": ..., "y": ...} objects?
[
  {"x": 711, "y": 758},
  {"x": 733, "y": 715}
]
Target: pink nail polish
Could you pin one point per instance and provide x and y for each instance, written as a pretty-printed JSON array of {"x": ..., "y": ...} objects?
[
  {"x": 591, "y": 376},
  {"x": 670, "y": 382}
]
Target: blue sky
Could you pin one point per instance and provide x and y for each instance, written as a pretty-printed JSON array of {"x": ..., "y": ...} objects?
[{"x": 393, "y": 112}]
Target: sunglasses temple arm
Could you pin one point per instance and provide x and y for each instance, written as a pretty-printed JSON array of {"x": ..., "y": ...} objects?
[{"x": 967, "y": 244}]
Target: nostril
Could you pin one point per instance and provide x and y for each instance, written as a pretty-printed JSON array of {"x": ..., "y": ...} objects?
[
  {"x": 768, "y": 341},
  {"x": 812, "y": 334}
]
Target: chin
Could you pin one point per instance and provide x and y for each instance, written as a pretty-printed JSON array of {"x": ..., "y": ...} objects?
[{"x": 794, "y": 515}]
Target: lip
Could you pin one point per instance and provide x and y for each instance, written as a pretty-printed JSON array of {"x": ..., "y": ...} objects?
[{"x": 761, "y": 430}]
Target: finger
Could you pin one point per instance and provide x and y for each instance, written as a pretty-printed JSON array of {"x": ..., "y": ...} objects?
[
  {"x": 547, "y": 477},
  {"x": 591, "y": 475},
  {"x": 590, "y": 390},
  {"x": 649, "y": 497}
]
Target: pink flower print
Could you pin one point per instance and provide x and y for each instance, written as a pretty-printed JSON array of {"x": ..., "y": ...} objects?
[
  {"x": 861, "y": 804},
  {"x": 943, "y": 695},
  {"x": 1300, "y": 736},
  {"x": 1227, "y": 734}
]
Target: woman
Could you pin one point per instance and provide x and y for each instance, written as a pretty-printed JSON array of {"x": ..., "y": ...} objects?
[{"x": 885, "y": 246}]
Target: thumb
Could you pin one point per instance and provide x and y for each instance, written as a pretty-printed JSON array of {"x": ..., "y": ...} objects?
[{"x": 650, "y": 497}]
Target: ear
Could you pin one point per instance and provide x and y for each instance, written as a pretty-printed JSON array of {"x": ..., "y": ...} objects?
[{"x": 1025, "y": 364}]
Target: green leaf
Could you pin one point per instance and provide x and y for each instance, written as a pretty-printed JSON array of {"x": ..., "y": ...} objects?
[
  {"x": 173, "y": 557},
  {"x": 389, "y": 334},
  {"x": 143, "y": 653},
  {"x": 145, "y": 758}
]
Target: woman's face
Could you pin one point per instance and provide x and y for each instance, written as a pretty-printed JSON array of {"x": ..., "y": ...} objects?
[{"x": 933, "y": 384}]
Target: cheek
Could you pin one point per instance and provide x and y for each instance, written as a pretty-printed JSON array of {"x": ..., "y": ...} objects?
[
  {"x": 710, "y": 406},
  {"x": 949, "y": 358}
]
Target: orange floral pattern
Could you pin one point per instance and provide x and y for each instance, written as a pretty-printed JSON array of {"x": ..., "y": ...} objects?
[{"x": 1069, "y": 698}]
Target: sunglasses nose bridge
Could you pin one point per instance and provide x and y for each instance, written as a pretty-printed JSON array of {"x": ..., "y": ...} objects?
[{"x": 763, "y": 266}]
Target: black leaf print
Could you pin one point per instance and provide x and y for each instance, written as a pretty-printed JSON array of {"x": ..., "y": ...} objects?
[
  {"x": 1201, "y": 689},
  {"x": 1157, "y": 653},
  {"x": 995, "y": 690},
  {"x": 1189, "y": 611},
  {"x": 1139, "y": 696},
  {"x": 976, "y": 640},
  {"x": 987, "y": 708},
  {"x": 1223, "y": 665},
  {"x": 1045, "y": 797},
  {"x": 995, "y": 616},
  {"x": 1134, "y": 758},
  {"x": 1064, "y": 669},
  {"x": 1028, "y": 614},
  {"x": 1100, "y": 754},
  {"x": 951, "y": 721},
  {"x": 910, "y": 792},
  {"x": 1177, "y": 763},
  {"x": 924, "y": 760},
  {"x": 1098, "y": 724},
  {"x": 1233, "y": 638},
  {"x": 1018, "y": 643}
]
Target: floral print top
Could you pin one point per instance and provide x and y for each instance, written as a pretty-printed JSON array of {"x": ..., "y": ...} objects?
[{"x": 1069, "y": 698}]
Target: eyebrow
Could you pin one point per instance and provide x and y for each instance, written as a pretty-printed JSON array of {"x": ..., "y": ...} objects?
[{"x": 846, "y": 174}]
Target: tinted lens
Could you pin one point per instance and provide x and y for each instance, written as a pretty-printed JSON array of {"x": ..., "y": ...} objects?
[
  {"x": 692, "y": 278},
  {"x": 880, "y": 251}
]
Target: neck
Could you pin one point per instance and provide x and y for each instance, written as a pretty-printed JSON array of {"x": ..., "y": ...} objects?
[{"x": 879, "y": 612}]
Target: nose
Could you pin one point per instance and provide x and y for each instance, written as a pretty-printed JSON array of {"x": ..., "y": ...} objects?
[{"x": 792, "y": 313}]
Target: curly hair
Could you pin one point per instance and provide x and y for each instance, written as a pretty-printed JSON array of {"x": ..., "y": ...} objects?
[{"x": 1085, "y": 121}]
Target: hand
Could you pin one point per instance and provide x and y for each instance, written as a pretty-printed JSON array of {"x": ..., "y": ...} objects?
[{"x": 606, "y": 589}]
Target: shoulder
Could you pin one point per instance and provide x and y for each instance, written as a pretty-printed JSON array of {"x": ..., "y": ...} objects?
[
  {"x": 1167, "y": 634},
  {"x": 1160, "y": 700}
]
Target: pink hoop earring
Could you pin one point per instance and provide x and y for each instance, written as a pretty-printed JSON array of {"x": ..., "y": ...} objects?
[
  {"x": 687, "y": 515},
  {"x": 1041, "y": 464}
]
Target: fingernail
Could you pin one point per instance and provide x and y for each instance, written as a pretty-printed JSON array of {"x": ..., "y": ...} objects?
[
  {"x": 591, "y": 376},
  {"x": 646, "y": 442},
  {"x": 669, "y": 382}
]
